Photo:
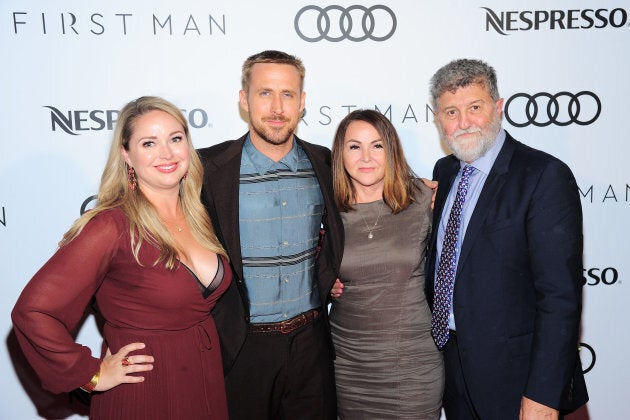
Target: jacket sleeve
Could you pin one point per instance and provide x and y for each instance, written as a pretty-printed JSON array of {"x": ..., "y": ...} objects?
[{"x": 555, "y": 242}]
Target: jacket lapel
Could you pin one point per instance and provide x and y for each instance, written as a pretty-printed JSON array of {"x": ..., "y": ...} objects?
[
  {"x": 445, "y": 174},
  {"x": 324, "y": 177},
  {"x": 493, "y": 185},
  {"x": 224, "y": 178}
]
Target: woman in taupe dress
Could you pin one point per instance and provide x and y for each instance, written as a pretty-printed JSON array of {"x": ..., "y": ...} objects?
[{"x": 387, "y": 365}]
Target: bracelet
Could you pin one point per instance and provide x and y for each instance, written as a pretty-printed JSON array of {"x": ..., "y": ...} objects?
[{"x": 89, "y": 387}]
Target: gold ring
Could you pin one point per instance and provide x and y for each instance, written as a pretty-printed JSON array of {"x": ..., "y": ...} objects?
[{"x": 125, "y": 361}]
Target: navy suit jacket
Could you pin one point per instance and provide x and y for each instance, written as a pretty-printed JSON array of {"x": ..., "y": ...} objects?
[
  {"x": 518, "y": 288},
  {"x": 222, "y": 164}
]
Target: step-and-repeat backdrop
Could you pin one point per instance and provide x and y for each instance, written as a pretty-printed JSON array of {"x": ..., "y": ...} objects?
[{"x": 68, "y": 65}]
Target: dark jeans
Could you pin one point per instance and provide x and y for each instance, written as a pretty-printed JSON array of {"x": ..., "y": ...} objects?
[{"x": 283, "y": 376}]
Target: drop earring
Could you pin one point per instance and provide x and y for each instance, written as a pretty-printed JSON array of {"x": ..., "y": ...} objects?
[{"x": 131, "y": 177}]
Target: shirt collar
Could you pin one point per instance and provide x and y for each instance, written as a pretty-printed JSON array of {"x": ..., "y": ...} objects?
[
  {"x": 264, "y": 164},
  {"x": 485, "y": 162}
]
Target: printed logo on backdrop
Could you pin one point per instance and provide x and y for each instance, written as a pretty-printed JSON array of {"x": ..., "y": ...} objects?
[
  {"x": 543, "y": 109},
  {"x": 336, "y": 23},
  {"x": 332, "y": 114},
  {"x": 76, "y": 24},
  {"x": 88, "y": 204},
  {"x": 587, "y": 357},
  {"x": 605, "y": 194},
  {"x": 503, "y": 22},
  {"x": 3, "y": 218},
  {"x": 601, "y": 276},
  {"x": 74, "y": 122}
]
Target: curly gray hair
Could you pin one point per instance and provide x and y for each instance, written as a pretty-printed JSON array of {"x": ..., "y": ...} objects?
[{"x": 461, "y": 73}]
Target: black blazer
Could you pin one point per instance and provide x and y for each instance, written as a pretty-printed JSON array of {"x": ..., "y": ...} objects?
[
  {"x": 518, "y": 287},
  {"x": 222, "y": 164}
]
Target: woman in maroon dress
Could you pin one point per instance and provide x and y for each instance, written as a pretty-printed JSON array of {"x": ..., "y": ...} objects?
[{"x": 148, "y": 253}]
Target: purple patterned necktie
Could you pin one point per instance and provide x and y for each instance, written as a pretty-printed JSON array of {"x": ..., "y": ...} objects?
[{"x": 445, "y": 277}]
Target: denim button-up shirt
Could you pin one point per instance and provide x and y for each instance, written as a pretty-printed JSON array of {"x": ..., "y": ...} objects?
[{"x": 281, "y": 208}]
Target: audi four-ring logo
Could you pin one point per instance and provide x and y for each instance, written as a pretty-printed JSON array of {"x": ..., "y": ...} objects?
[
  {"x": 562, "y": 109},
  {"x": 587, "y": 356},
  {"x": 314, "y": 23}
]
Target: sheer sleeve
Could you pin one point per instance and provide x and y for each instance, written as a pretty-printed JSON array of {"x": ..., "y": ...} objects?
[{"x": 53, "y": 302}]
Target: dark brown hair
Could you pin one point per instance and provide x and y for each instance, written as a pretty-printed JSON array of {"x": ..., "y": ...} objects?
[{"x": 398, "y": 189}]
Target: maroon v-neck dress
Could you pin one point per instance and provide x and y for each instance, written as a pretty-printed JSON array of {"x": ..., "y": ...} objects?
[{"x": 168, "y": 310}]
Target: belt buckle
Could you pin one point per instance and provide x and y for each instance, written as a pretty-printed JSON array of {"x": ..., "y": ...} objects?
[
  {"x": 286, "y": 330},
  {"x": 292, "y": 325}
]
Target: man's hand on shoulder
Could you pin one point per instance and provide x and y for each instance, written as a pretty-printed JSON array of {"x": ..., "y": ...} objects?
[
  {"x": 433, "y": 185},
  {"x": 531, "y": 410}
]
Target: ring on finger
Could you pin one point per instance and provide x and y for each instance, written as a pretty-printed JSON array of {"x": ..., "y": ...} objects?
[{"x": 125, "y": 361}]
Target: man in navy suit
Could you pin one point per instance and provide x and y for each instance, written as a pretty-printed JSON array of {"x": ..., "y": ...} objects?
[{"x": 511, "y": 315}]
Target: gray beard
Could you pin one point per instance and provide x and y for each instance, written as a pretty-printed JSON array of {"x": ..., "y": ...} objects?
[{"x": 482, "y": 144}]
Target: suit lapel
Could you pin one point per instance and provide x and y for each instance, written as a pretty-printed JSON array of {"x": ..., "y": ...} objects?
[
  {"x": 224, "y": 180},
  {"x": 444, "y": 172},
  {"x": 321, "y": 165},
  {"x": 493, "y": 185},
  {"x": 446, "y": 177}
]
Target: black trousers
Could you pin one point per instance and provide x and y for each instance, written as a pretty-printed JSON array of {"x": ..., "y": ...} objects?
[
  {"x": 456, "y": 401},
  {"x": 284, "y": 376}
]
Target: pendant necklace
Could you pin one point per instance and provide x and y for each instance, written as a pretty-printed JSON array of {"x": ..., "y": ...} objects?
[
  {"x": 177, "y": 226},
  {"x": 380, "y": 210}
]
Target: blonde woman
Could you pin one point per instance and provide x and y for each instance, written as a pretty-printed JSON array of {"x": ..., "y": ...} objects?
[{"x": 149, "y": 256}]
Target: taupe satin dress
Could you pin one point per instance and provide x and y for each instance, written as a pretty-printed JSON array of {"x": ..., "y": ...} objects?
[{"x": 387, "y": 365}]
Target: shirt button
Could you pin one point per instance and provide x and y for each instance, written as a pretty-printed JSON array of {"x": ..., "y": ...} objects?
[
  {"x": 284, "y": 203},
  {"x": 286, "y": 279},
  {"x": 285, "y": 243},
  {"x": 285, "y": 315}
]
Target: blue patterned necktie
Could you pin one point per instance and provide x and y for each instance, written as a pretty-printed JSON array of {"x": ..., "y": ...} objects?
[{"x": 445, "y": 276}]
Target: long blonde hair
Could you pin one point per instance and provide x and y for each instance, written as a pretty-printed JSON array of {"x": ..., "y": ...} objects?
[
  {"x": 398, "y": 189},
  {"x": 144, "y": 221}
]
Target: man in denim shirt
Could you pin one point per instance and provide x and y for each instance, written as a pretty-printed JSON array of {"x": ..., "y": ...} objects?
[{"x": 269, "y": 195}]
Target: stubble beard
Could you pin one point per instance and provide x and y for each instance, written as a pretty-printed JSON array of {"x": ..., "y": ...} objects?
[
  {"x": 273, "y": 136},
  {"x": 472, "y": 149}
]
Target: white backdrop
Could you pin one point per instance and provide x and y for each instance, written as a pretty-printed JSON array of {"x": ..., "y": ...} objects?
[{"x": 68, "y": 65}]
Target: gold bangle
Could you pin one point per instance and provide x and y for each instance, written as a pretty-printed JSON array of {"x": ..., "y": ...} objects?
[{"x": 89, "y": 387}]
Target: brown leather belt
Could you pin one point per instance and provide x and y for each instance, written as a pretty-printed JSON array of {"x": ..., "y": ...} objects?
[{"x": 288, "y": 326}]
